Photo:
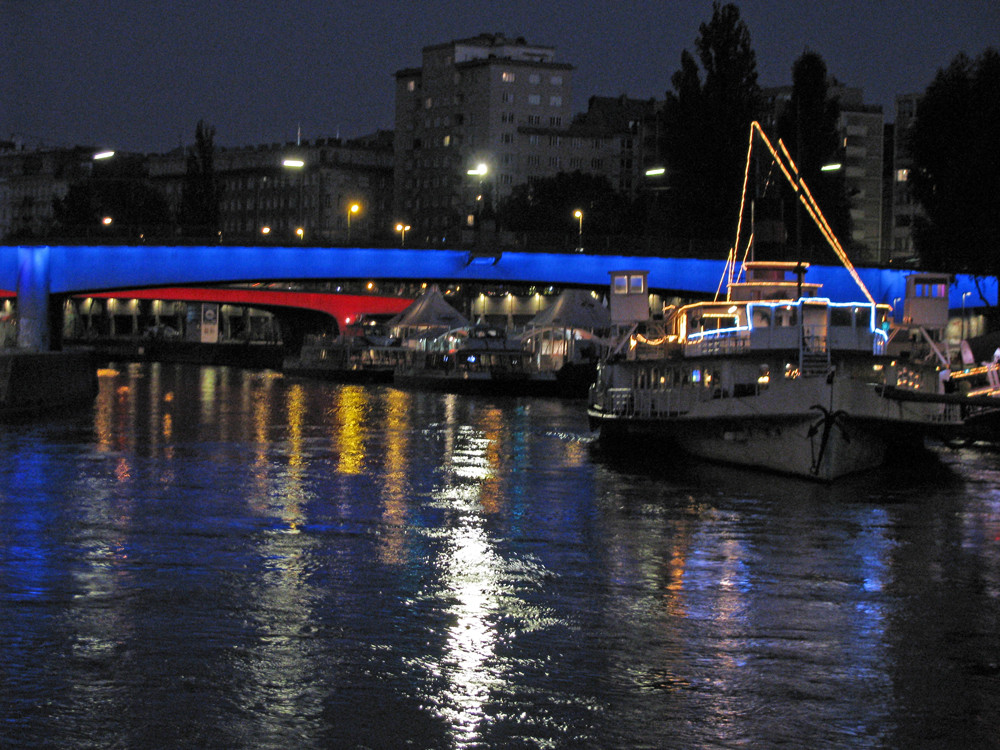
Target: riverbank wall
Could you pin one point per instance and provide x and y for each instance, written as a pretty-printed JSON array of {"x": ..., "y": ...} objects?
[{"x": 37, "y": 382}]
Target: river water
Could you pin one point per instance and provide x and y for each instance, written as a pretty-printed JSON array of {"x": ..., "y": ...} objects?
[{"x": 218, "y": 558}]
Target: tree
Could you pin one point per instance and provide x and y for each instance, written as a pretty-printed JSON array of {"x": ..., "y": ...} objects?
[
  {"x": 808, "y": 126},
  {"x": 956, "y": 167},
  {"x": 115, "y": 201},
  {"x": 200, "y": 192},
  {"x": 707, "y": 126},
  {"x": 547, "y": 205}
]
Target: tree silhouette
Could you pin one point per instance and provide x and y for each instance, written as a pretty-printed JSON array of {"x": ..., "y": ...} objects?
[
  {"x": 808, "y": 126},
  {"x": 956, "y": 167},
  {"x": 115, "y": 201},
  {"x": 707, "y": 126},
  {"x": 200, "y": 192},
  {"x": 547, "y": 204}
]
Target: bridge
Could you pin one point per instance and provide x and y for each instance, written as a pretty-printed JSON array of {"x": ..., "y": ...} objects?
[{"x": 38, "y": 272}]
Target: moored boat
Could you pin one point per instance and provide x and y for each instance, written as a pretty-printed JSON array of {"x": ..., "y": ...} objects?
[
  {"x": 773, "y": 376},
  {"x": 784, "y": 383}
]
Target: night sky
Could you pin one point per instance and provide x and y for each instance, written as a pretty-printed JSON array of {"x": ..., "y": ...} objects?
[{"x": 139, "y": 74}]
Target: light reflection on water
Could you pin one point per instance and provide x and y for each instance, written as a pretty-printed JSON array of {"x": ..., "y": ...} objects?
[{"x": 212, "y": 557}]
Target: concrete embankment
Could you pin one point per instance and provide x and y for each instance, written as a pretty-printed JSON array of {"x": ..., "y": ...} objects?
[
  {"x": 35, "y": 382},
  {"x": 234, "y": 354}
]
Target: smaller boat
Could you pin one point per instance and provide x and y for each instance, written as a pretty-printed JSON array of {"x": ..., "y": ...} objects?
[
  {"x": 474, "y": 359},
  {"x": 556, "y": 355},
  {"x": 364, "y": 352}
]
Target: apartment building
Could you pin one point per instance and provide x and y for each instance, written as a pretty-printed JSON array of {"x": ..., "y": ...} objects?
[
  {"x": 458, "y": 149},
  {"x": 905, "y": 208},
  {"x": 861, "y": 130},
  {"x": 484, "y": 114},
  {"x": 32, "y": 180},
  {"x": 301, "y": 191}
]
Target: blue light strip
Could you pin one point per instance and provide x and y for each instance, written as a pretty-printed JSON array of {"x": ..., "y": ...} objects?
[{"x": 95, "y": 268}]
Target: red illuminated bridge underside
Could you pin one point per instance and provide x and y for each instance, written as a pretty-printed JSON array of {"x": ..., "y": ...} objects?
[{"x": 345, "y": 308}]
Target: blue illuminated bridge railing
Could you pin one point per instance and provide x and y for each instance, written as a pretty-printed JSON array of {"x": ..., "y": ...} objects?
[{"x": 65, "y": 269}]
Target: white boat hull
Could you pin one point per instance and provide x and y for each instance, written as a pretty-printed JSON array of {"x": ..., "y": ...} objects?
[{"x": 831, "y": 431}]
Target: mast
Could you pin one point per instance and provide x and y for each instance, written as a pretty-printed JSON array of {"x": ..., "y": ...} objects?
[{"x": 788, "y": 167}]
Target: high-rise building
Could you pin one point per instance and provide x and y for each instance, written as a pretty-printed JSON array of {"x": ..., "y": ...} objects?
[
  {"x": 860, "y": 128},
  {"x": 862, "y": 132},
  {"x": 479, "y": 116},
  {"x": 905, "y": 208}
]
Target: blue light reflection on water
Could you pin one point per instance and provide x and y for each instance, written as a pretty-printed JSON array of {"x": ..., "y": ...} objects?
[{"x": 212, "y": 557}]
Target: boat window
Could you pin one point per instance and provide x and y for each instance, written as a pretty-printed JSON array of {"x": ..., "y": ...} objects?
[
  {"x": 762, "y": 317},
  {"x": 636, "y": 284},
  {"x": 619, "y": 284},
  {"x": 788, "y": 316},
  {"x": 841, "y": 316},
  {"x": 862, "y": 316}
]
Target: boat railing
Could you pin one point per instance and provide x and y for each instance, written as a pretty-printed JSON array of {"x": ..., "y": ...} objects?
[
  {"x": 644, "y": 404},
  {"x": 713, "y": 343}
]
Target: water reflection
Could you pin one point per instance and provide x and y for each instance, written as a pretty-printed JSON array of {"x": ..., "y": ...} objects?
[{"x": 285, "y": 563}]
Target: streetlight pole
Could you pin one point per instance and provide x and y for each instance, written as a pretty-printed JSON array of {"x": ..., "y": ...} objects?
[
  {"x": 402, "y": 229},
  {"x": 964, "y": 295},
  {"x": 579, "y": 234},
  {"x": 352, "y": 210},
  {"x": 299, "y": 165}
]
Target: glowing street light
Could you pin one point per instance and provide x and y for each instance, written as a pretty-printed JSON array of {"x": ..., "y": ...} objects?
[
  {"x": 352, "y": 210},
  {"x": 656, "y": 171},
  {"x": 480, "y": 170},
  {"x": 102, "y": 155},
  {"x": 107, "y": 221},
  {"x": 301, "y": 232},
  {"x": 265, "y": 230},
  {"x": 297, "y": 164},
  {"x": 578, "y": 214},
  {"x": 402, "y": 229},
  {"x": 832, "y": 167},
  {"x": 964, "y": 295}
]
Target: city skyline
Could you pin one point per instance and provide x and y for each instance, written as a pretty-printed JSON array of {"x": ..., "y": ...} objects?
[{"x": 139, "y": 75}]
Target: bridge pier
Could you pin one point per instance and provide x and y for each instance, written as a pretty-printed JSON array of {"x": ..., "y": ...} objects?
[{"x": 33, "y": 283}]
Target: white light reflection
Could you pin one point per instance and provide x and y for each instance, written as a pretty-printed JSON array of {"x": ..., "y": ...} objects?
[
  {"x": 471, "y": 576},
  {"x": 281, "y": 594},
  {"x": 477, "y": 584}
]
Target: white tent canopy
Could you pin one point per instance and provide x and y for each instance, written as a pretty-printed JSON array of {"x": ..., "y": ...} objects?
[
  {"x": 428, "y": 312},
  {"x": 575, "y": 308}
]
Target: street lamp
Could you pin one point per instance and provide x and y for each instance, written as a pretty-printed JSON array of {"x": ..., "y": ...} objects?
[
  {"x": 352, "y": 210},
  {"x": 964, "y": 295},
  {"x": 579, "y": 235},
  {"x": 402, "y": 229},
  {"x": 297, "y": 164}
]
